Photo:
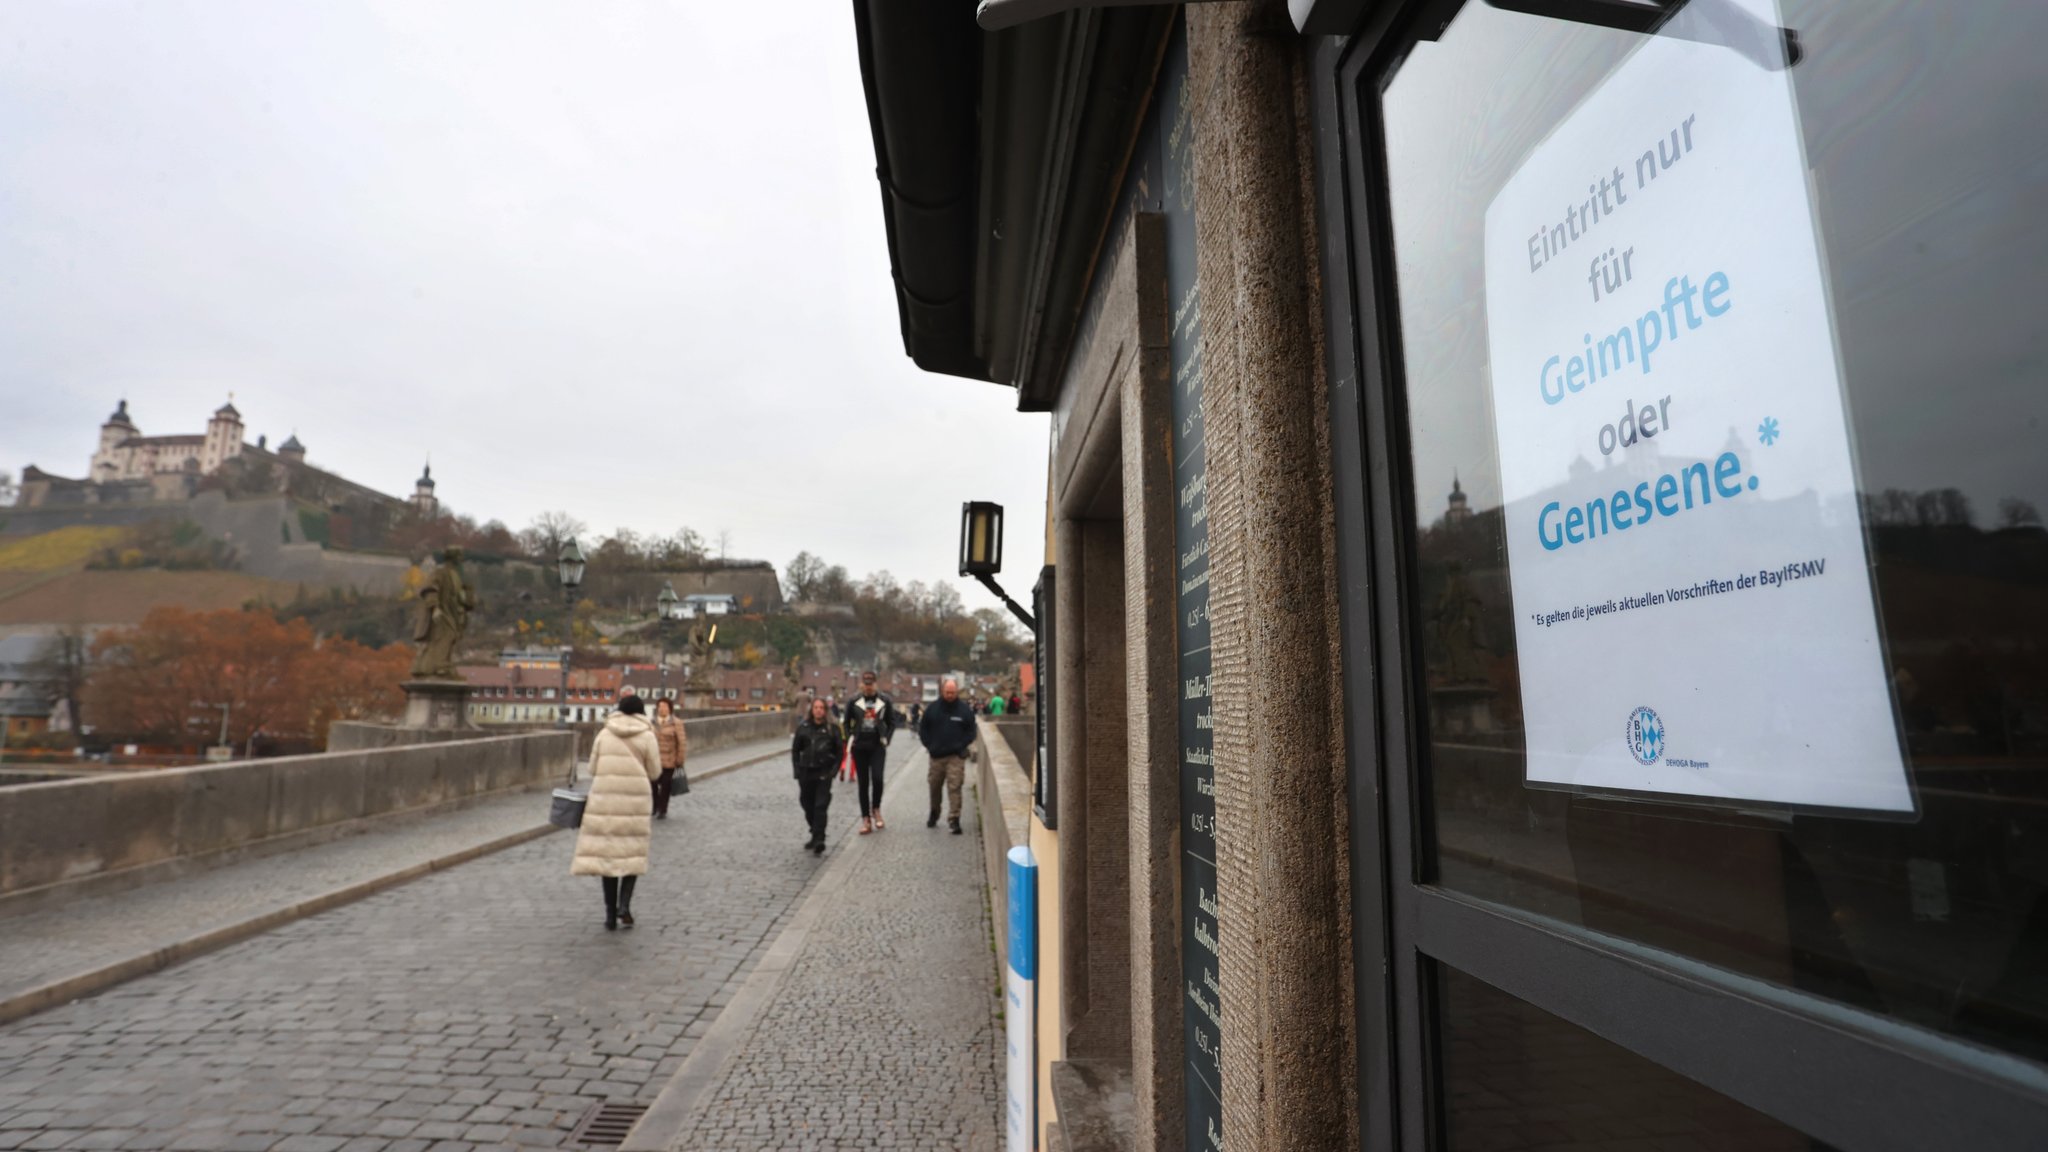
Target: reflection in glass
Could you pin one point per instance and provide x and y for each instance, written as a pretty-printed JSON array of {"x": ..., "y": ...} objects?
[
  {"x": 1517, "y": 1079},
  {"x": 1929, "y": 162}
]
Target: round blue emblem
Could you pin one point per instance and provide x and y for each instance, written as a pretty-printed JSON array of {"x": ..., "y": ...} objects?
[{"x": 1645, "y": 735}]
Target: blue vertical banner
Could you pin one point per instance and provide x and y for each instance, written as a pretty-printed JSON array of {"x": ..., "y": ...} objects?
[{"x": 1020, "y": 1005}]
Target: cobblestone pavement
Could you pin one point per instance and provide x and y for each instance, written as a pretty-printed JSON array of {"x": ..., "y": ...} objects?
[
  {"x": 90, "y": 932},
  {"x": 480, "y": 1007},
  {"x": 884, "y": 1032}
]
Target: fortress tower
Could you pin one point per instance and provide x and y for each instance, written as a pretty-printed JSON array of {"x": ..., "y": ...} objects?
[{"x": 223, "y": 438}]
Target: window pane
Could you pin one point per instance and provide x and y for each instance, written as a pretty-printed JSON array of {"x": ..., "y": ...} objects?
[
  {"x": 1919, "y": 173},
  {"x": 1515, "y": 1077}
]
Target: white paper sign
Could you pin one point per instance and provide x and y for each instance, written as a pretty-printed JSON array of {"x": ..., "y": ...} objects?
[{"x": 1692, "y": 594}]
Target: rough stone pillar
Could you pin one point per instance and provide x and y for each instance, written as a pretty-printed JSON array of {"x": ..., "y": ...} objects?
[
  {"x": 1100, "y": 1021},
  {"x": 1070, "y": 688},
  {"x": 1281, "y": 817},
  {"x": 1151, "y": 640}
]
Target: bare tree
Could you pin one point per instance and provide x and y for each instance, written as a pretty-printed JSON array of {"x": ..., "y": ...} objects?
[
  {"x": 995, "y": 623},
  {"x": 64, "y": 663},
  {"x": 724, "y": 543},
  {"x": 801, "y": 580},
  {"x": 686, "y": 548},
  {"x": 834, "y": 587},
  {"x": 544, "y": 537},
  {"x": 1954, "y": 506},
  {"x": 946, "y": 602},
  {"x": 2016, "y": 513}
]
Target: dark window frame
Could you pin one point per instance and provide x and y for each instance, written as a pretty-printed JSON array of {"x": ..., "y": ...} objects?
[
  {"x": 1045, "y": 787},
  {"x": 1849, "y": 1077}
]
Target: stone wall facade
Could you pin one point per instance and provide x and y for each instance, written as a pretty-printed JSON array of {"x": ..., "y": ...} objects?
[
  {"x": 1282, "y": 826},
  {"x": 1288, "y": 1048}
]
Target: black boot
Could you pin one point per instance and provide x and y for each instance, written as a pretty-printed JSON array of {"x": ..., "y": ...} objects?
[
  {"x": 611, "y": 902},
  {"x": 626, "y": 901},
  {"x": 954, "y": 824},
  {"x": 932, "y": 821}
]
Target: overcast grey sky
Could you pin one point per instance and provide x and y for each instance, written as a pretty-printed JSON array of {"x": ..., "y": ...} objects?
[{"x": 625, "y": 260}]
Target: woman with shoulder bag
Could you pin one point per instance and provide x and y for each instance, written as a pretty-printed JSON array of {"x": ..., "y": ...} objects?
[
  {"x": 814, "y": 753},
  {"x": 668, "y": 729},
  {"x": 617, "y": 826}
]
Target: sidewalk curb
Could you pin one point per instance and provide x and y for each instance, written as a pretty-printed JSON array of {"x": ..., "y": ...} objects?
[
  {"x": 106, "y": 976},
  {"x": 704, "y": 1068}
]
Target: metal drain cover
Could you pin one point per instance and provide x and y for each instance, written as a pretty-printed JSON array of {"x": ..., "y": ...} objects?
[{"x": 607, "y": 1123}]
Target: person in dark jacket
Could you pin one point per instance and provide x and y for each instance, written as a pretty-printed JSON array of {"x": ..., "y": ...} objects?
[
  {"x": 947, "y": 732},
  {"x": 870, "y": 722},
  {"x": 814, "y": 754}
]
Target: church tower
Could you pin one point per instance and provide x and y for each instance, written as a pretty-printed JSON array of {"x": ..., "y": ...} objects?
[
  {"x": 423, "y": 501},
  {"x": 1457, "y": 513}
]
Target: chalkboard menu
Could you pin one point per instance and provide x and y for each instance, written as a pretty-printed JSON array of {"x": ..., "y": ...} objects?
[{"x": 1202, "y": 1010}]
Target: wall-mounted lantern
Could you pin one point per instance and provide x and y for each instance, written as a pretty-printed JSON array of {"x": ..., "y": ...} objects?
[{"x": 981, "y": 552}]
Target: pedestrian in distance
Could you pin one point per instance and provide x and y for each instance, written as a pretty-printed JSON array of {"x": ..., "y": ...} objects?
[
  {"x": 612, "y": 843},
  {"x": 870, "y": 722},
  {"x": 814, "y": 753},
  {"x": 947, "y": 732},
  {"x": 668, "y": 730},
  {"x": 996, "y": 704}
]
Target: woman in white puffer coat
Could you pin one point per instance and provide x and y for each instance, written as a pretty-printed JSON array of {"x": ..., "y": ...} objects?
[{"x": 618, "y": 818}]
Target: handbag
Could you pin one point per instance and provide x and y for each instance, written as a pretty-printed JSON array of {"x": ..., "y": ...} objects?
[{"x": 565, "y": 806}]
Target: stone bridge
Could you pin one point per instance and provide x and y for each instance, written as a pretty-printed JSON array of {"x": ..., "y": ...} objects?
[{"x": 382, "y": 951}]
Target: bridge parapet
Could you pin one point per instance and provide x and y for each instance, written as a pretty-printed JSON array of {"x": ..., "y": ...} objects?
[{"x": 133, "y": 827}]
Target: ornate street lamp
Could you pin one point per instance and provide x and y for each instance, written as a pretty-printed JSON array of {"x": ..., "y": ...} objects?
[
  {"x": 569, "y": 564},
  {"x": 981, "y": 552}
]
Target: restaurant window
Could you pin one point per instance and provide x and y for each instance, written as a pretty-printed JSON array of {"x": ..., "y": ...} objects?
[{"x": 1722, "y": 392}]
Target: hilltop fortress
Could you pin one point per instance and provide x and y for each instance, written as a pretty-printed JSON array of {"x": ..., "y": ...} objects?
[
  {"x": 285, "y": 519},
  {"x": 131, "y": 468}
]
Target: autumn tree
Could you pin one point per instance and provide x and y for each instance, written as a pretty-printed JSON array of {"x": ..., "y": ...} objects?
[{"x": 168, "y": 677}]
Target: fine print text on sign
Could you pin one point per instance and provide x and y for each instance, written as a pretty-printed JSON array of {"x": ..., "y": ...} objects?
[{"x": 1693, "y": 605}]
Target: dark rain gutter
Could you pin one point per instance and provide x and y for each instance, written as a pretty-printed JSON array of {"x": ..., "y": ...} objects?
[{"x": 1312, "y": 17}]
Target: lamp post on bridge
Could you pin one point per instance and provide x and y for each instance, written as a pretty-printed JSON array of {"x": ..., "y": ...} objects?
[
  {"x": 569, "y": 564},
  {"x": 668, "y": 608}
]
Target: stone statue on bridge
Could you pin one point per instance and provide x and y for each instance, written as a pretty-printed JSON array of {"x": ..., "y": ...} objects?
[{"x": 445, "y": 604}]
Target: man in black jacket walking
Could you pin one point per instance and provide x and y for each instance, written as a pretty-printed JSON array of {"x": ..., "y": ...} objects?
[
  {"x": 947, "y": 731},
  {"x": 870, "y": 722},
  {"x": 814, "y": 753}
]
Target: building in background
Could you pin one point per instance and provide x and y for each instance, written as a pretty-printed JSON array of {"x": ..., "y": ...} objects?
[{"x": 29, "y": 697}]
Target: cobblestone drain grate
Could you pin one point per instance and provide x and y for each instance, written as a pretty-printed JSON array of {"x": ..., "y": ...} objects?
[{"x": 607, "y": 1123}]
